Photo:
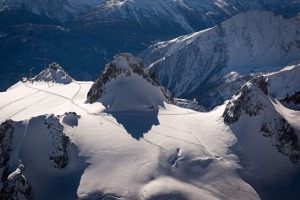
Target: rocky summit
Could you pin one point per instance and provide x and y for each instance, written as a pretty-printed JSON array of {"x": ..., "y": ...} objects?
[{"x": 125, "y": 75}]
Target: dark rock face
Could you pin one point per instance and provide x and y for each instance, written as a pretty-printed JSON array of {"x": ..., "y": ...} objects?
[
  {"x": 284, "y": 137},
  {"x": 295, "y": 98},
  {"x": 59, "y": 153},
  {"x": 246, "y": 102},
  {"x": 262, "y": 84},
  {"x": 127, "y": 64},
  {"x": 6, "y": 137},
  {"x": 253, "y": 99},
  {"x": 14, "y": 185}
]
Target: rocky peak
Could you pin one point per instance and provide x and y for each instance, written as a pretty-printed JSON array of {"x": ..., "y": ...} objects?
[
  {"x": 126, "y": 61},
  {"x": 127, "y": 65},
  {"x": 248, "y": 100},
  {"x": 54, "y": 73},
  {"x": 253, "y": 99}
]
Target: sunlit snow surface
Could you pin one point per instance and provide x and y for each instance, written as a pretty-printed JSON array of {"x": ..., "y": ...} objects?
[
  {"x": 171, "y": 153},
  {"x": 175, "y": 153}
]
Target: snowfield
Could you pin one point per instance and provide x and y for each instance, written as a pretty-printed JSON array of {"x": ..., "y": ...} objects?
[
  {"x": 164, "y": 155},
  {"x": 70, "y": 149}
]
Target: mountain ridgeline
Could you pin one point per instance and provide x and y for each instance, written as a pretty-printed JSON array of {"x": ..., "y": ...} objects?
[
  {"x": 211, "y": 65},
  {"x": 84, "y": 35}
]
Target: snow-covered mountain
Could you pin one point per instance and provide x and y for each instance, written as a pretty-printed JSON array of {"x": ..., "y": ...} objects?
[
  {"x": 263, "y": 125},
  {"x": 84, "y": 35},
  {"x": 54, "y": 73},
  {"x": 124, "y": 76},
  {"x": 54, "y": 9},
  {"x": 60, "y": 141},
  {"x": 183, "y": 12},
  {"x": 189, "y": 15},
  {"x": 212, "y": 64},
  {"x": 254, "y": 100}
]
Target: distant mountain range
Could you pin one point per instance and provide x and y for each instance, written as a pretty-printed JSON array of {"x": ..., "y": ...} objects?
[
  {"x": 84, "y": 35},
  {"x": 212, "y": 64}
]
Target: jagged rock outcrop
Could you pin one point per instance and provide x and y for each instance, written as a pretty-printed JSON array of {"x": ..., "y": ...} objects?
[
  {"x": 127, "y": 65},
  {"x": 16, "y": 186},
  {"x": 295, "y": 98},
  {"x": 283, "y": 136},
  {"x": 252, "y": 100},
  {"x": 54, "y": 73},
  {"x": 59, "y": 151},
  {"x": 13, "y": 185},
  {"x": 30, "y": 149},
  {"x": 6, "y": 139},
  {"x": 247, "y": 101}
]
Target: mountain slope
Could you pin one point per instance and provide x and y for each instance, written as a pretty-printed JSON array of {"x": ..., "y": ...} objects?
[
  {"x": 51, "y": 131},
  {"x": 263, "y": 126},
  {"x": 252, "y": 101},
  {"x": 211, "y": 65}
]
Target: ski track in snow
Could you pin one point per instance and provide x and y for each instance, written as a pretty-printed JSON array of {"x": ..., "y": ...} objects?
[
  {"x": 26, "y": 108},
  {"x": 15, "y": 101},
  {"x": 198, "y": 144}
]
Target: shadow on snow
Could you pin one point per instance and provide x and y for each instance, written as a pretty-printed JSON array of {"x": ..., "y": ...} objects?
[{"x": 137, "y": 123}]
